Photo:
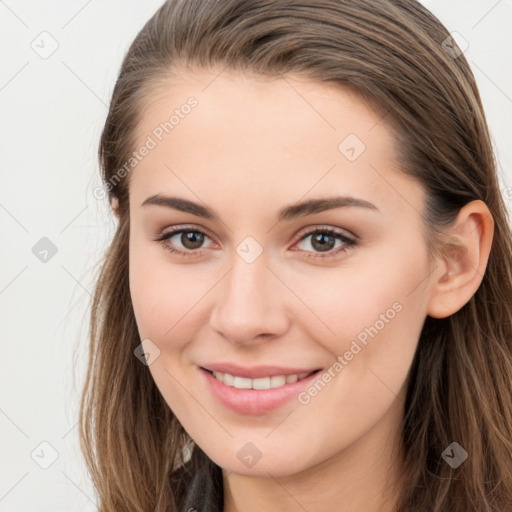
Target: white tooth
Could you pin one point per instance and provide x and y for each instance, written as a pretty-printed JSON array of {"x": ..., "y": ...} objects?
[
  {"x": 290, "y": 379},
  {"x": 277, "y": 381},
  {"x": 263, "y": 383},
  {"x": 243, "y": 383}
]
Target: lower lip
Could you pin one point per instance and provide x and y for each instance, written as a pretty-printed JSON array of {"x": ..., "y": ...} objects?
[{"x": 255, "y": 401}]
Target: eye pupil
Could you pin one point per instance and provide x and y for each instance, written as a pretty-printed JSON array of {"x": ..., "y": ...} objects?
[
  {"x": 193, "y": 237},
  {"x": 320, "y": 239}
]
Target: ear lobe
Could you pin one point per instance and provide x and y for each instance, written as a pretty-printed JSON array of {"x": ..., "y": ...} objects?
[
  {"x": 463, "y": 261},
  {"x": 115, "y": 206}
]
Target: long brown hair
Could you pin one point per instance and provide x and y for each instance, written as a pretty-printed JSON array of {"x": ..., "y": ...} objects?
[{"x": 393, "y": 54}]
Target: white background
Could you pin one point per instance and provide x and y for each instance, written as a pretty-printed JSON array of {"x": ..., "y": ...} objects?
[{"x": 51, "y": 119}]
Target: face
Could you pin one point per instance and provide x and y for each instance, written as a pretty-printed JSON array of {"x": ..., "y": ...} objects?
[{"x": 323, "y": 303}]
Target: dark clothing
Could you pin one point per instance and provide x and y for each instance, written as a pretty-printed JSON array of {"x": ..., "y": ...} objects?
[{"x": 199, "y": 483}]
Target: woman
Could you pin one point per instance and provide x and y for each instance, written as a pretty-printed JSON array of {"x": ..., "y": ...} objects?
[{"x": 307, "y": 302}]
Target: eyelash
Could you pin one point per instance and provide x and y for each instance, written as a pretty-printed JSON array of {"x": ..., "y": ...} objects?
[{"x": 348, "y": 242}]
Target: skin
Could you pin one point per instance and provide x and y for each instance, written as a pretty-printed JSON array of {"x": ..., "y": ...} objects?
[{"x": 249, "y": 148}]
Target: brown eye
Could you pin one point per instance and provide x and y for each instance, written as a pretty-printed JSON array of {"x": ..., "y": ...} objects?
[
  {"x": 191, "y": 239},
  {"x": 184, "y": 242},
  {"x": 324, "y": 240}
]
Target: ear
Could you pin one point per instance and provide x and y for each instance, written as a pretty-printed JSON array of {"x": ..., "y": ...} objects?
[
  {"x": 461, "y": 267},
  {"x": 115, "y": 206}
]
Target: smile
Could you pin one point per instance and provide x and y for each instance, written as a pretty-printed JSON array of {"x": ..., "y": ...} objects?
[
  {"x": 275, "y": 381},
  {"x": 255, "y": 390}
]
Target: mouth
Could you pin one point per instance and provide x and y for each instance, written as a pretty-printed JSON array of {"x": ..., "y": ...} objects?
[
  {"x": 260, "y": 395},
  {"x": 262, "y": 383}
]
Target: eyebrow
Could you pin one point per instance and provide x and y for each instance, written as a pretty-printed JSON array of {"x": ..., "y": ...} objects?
[{"x": 287, "y": 213}]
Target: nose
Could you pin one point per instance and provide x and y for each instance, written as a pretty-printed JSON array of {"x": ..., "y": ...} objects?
[{"x": 250, "y": 305}]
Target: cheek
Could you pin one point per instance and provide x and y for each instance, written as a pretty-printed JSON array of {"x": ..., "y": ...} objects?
[
  {"x": 370, "y": 309},
  {"x": 165, "y": 296},
  {"x": 371, "y": 315}
]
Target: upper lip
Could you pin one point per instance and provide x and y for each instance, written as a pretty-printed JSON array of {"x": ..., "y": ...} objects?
[{"x": 255, "y": 372}]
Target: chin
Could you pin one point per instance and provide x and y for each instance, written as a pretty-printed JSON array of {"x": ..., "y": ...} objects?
[{"x": 249, "y": 461}]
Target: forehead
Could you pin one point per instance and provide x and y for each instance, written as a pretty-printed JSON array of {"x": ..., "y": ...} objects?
[
  {"x": 294, "y": 105},
  {"x": 232, "y": 132}
]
